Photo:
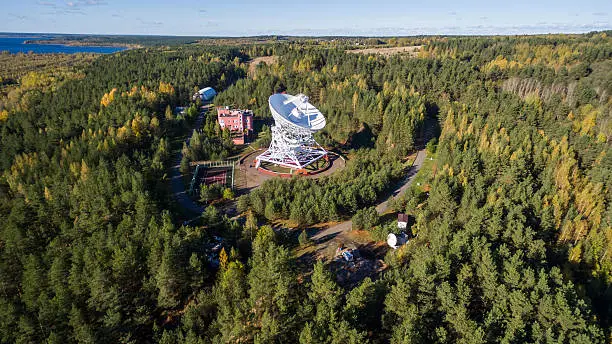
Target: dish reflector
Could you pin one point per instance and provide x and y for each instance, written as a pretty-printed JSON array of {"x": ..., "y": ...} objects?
[
  {"x": 295, "y": 120},
  {"x": 296, "y": 111}
]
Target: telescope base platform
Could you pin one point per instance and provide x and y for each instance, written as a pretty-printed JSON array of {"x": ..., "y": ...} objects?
[{"x": 292, "y": 159}]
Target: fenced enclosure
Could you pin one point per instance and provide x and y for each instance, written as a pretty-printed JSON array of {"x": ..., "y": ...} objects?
[{"x": 213, "y": 172}]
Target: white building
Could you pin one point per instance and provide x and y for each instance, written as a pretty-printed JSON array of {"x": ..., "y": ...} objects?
[
  {"x": 402, "y": 221},
  {"x": 206, "y": 94}
]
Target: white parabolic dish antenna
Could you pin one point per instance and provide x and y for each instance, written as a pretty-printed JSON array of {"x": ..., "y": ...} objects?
[
  {"x": 295, "y": 120},
  {"x": 296, "y": 111}
]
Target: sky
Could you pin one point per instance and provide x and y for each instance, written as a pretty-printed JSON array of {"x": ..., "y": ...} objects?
[{"x": 313, "y": 18}]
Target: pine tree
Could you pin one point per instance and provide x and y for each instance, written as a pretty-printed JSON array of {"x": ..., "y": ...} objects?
[
  {"x": 170, "y": 278},
  {"x": 303, "y": 238}
]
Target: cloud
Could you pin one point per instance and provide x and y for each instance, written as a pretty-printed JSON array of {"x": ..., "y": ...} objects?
[
  {"x": 70, "y": 11},
  {"x": 477, "y": 29},
  {"x": 84, "y": 3},
  {"x": 18, "y": 16},
  {"x": 67, "y": 8},
  {"x": 150, "y": 23},
  {"x": 64, "y": 12},
  {"x": 47, "y": 3},
  {"x": 209, "y": 24}
]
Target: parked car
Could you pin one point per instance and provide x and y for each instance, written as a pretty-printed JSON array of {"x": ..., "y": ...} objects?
[{"x": 347, "y": 255}]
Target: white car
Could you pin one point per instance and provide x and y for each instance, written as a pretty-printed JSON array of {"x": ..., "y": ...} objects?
[{"x": 347, "y": 255}]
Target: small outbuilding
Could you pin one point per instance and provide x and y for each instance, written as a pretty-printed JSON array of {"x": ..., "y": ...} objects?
[{"x": 402, "y": 221}]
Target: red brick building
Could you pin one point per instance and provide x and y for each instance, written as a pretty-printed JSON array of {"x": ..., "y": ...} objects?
[{"x": 239, "y": 122}]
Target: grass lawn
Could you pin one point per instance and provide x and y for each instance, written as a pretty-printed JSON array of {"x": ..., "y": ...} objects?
[
  {"x": 317, "y": 165},
  {"x": 275, "y": 168},
  {"x": 302, "y": 251},
  {"x": 410, "y": 160},
  {"x": 426, "y": 174}
]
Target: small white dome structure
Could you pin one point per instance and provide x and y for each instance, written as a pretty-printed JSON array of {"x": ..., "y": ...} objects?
[
  {"x": 206, "y": 94},
  {"x": 395, "y": 241}
]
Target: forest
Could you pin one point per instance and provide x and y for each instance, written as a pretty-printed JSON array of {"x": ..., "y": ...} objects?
[{"x": 514, "y": 227}]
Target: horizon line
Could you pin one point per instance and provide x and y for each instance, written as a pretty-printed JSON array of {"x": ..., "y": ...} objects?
[{"x": 311, "y": 36}]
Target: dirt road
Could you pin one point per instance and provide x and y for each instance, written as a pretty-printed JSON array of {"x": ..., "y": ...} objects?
[
  {"x": 382, "y": 207},
  {"x": 176, "y": 180}
]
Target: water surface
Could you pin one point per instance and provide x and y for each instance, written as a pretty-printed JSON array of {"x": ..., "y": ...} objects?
[{"x": 15, "y": 45}]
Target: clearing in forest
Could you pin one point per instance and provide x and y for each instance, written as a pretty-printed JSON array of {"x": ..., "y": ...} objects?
[
  {"x": 411, "y": 50},
  {"x": 262, "y": 59}
]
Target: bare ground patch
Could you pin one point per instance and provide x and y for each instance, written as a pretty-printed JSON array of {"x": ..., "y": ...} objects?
[
  {"x": 262, "y": 59},
  {"x": 411, "y": 50}
]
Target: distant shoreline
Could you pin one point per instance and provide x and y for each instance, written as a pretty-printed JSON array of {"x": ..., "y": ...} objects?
[{"x": 72, "y": 43}]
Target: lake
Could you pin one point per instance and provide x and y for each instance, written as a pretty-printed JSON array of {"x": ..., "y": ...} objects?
[{"x": 15, "y": 45}]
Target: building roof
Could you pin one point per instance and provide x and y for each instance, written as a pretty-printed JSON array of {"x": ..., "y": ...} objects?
[
  {"x": 208, "y": 93},
  {"x": 227, "y": 112},
  {"x": 207, "y": 89},
  {"x": 402, "y": 217}
]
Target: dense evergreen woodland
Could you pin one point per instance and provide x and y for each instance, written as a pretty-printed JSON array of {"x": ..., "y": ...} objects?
[{"x": 514, "y": 228}]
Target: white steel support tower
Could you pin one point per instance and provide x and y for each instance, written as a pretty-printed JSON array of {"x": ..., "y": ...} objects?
[{"x": 295, "y": 120}]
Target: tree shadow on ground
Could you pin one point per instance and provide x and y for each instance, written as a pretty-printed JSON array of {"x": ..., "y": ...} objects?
[{"x": 362, "y": 139}]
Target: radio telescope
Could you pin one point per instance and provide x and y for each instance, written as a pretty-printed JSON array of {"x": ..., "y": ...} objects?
[{"x": 295, "y": 120}]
